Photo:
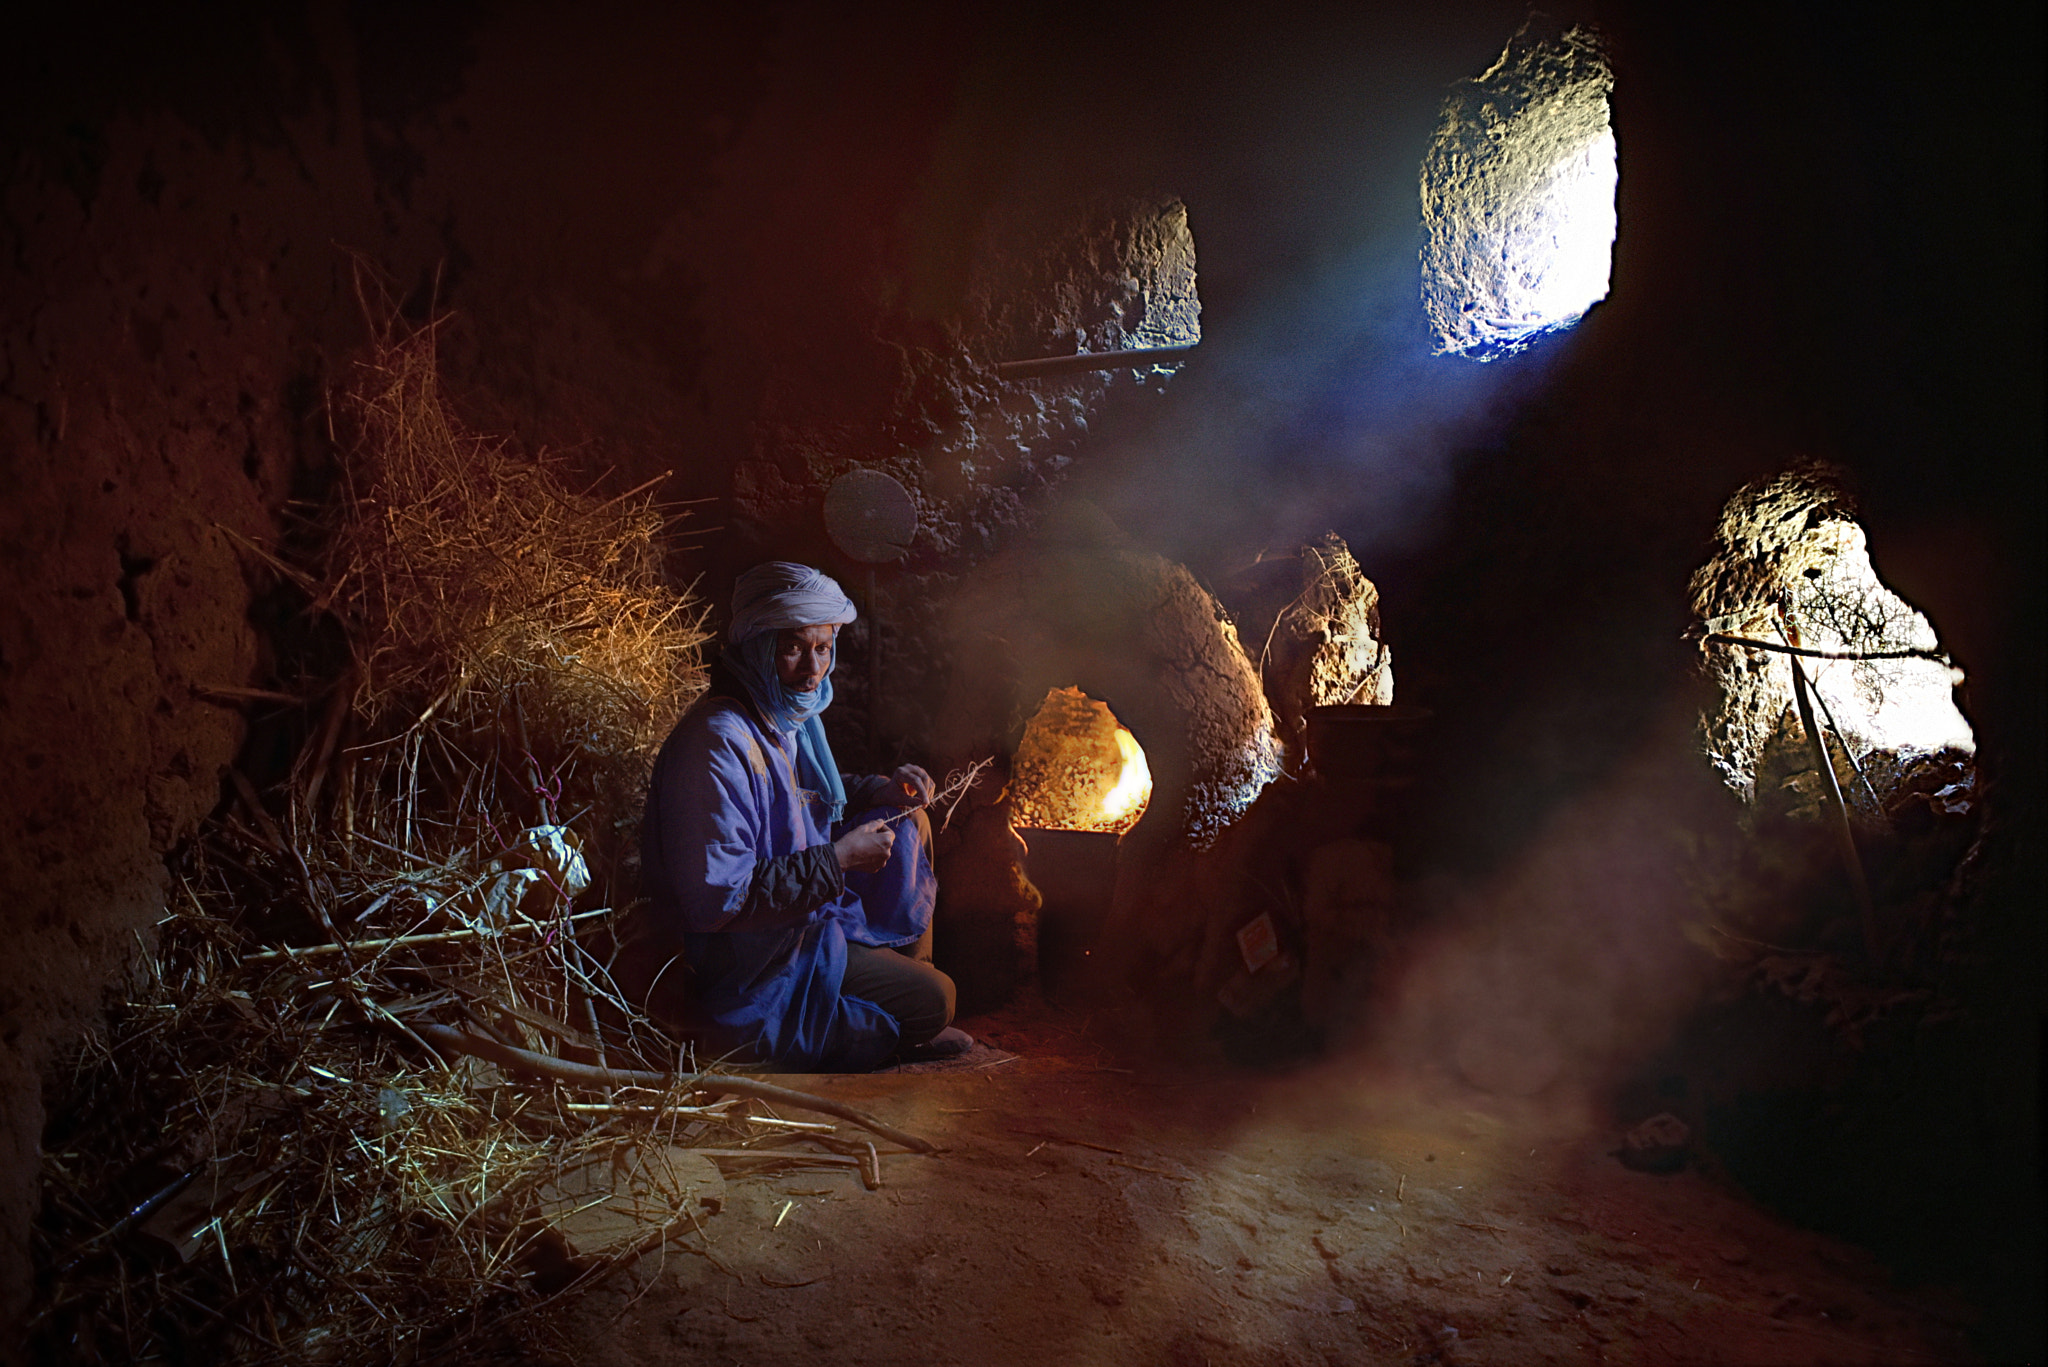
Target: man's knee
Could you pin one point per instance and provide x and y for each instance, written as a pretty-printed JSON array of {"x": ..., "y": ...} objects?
[{"x": 929, "y": 1008}]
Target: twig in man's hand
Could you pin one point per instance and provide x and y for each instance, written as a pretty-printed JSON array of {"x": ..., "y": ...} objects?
[{"x": 956, "y": 788}]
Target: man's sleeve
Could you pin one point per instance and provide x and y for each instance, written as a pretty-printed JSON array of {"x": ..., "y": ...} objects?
[
  {"x": 786, "y": 890},
  {"x": 712, "y": 828}
]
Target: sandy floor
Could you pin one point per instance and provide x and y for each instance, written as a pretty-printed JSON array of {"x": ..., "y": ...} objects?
[{"x": 1090, "y": 1210}]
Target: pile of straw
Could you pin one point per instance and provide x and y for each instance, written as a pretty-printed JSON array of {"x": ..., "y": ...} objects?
[
  {"x": 334, "y": 1118},
  {"x": 259, "y": 1158},
  {"x": 311, "y": 1191},
  {"x": 478, "y": 587}
]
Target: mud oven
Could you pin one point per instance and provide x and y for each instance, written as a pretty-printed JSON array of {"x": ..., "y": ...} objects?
[{"x": 1191, "y": 812}]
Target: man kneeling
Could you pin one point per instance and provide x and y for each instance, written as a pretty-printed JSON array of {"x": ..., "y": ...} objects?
[{"x": 776, "y": 930}]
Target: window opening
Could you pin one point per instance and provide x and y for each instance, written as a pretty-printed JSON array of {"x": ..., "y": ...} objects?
[
  {"x": 1518, "y": 194},
  {"x": 1793, "y": 573}
]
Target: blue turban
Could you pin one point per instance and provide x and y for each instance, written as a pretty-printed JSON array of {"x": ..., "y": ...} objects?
[{"x": 767, "y": 600}]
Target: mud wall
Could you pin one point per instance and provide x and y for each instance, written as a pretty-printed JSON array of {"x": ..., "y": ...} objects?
[{"x": 173, "y": 301}]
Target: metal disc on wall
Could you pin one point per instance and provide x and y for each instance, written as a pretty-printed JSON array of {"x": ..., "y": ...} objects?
[{"x": 870, "y": 517}]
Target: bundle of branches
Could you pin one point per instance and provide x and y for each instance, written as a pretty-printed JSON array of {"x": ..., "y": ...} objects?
[
  {"x": 309, "y": 1192},
  {"x": 330, "y": 1174},
  {"x": 478, "y": 588}
]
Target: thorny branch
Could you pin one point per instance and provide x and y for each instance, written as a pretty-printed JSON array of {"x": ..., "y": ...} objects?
[{"x": 958, "y": 784}]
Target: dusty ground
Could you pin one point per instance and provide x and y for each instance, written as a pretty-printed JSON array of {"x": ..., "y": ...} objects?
[{"x": 1089, "y": 1209}]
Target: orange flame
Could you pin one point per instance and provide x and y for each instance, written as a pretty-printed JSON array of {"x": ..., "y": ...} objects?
[
  {"x": 1124, "y": 803},
  {"x": 1078, "y": 769}
]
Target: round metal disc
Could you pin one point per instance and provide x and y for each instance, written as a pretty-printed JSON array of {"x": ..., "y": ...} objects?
[{"x": 870, "y": 516}]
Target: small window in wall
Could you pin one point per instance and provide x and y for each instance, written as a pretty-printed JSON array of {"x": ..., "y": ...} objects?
[
  {"x": 1078, "y": 769},
  {"x": 1792, "y": 569},
  {"x": 1518, "y": 195}
]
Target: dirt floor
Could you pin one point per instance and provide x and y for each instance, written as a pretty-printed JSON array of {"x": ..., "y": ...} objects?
[{"x": 1093, "y": 1209}]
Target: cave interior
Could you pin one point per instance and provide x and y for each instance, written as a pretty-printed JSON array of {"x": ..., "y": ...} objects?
[{"x": 808, "y": 281}]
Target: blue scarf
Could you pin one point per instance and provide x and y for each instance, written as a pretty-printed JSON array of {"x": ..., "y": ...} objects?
[{"x": 790, "y": 712}]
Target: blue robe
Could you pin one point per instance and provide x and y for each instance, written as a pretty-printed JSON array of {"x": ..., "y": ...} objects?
[{"x": 742, "y": 882}]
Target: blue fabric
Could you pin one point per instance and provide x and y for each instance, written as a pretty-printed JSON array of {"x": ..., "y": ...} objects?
[
  {"x": 725, "y": 796},
  {"x": 793, "y": 712},
  {"x": 897, "y": 899}
]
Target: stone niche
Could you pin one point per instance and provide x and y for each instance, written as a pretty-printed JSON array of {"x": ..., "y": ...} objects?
[
  {"x": 1312, "y": 623},
  {"x": 1105, "y": 275},
  {"x": 1792, "y": 567}
]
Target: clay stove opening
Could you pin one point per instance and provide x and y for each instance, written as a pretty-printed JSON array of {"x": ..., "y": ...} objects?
[
  {"x": 1079, "y": 782},
  {"x": 1076, "y": 623},
  {"x": 1078, "y": 769}
]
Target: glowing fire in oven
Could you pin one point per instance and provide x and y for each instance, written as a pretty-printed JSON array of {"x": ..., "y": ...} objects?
[
  {"x": 1078, "y": 769},
  {"x": 1133, "y": 786}
]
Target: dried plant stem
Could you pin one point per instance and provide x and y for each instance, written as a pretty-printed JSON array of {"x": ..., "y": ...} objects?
[
  {"x": 461, "y": 1041},
  {"x": 765, "y": 1121},
  {"x": 828, "y": 1160},
  {"x": 957, "y": 785},
  {"x": 436, "y": 937},
  {"x": 1722, "y": 638}
]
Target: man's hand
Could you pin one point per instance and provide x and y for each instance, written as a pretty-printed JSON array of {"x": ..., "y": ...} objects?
[
  {"x": 865, "y": 848},
  {"x": 910, "y": 786}
]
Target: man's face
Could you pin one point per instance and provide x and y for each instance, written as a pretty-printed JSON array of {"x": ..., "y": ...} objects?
[{"x": 803, "y": 656}]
